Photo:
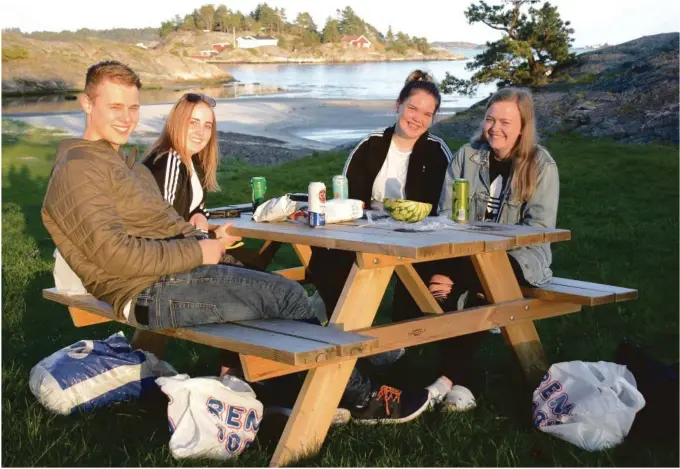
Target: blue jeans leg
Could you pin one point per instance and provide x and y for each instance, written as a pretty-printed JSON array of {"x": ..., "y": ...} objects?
[{"x": 214, "y": 294}]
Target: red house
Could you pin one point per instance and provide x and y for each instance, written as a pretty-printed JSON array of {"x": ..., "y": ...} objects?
[{"x": 356, "y": 41}]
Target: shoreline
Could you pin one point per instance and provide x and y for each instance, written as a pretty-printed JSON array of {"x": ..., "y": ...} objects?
[{"x": 321, "y": 61}]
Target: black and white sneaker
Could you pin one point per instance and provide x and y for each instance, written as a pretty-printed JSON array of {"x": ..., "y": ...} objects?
[{"x": 387, "y": 405}]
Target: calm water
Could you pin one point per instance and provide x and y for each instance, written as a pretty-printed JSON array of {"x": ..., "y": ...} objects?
[{"x": 375, "y": 80}]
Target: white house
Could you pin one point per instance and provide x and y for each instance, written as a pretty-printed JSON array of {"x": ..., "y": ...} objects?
[
  {"x": 141, "y": 44},
  {"x": 249, "y": 42},
  {"x": 208, "y": 53}
]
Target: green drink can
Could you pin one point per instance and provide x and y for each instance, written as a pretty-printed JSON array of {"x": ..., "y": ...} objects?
[
  {"x": 460, "y": 204},
  {"x": 259, "y": 189}
]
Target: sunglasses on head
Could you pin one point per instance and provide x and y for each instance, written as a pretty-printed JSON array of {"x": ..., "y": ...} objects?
[{"x": 195, "y": 97}]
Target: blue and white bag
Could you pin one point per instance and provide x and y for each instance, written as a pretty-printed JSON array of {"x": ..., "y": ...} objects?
[{"x": 95, "y": 373}]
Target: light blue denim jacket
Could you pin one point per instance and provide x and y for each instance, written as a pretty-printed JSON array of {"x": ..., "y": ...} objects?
[{"x": 472, "y": 163}]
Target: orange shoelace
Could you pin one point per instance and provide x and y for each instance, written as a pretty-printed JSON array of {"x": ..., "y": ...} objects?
[{"x": 388, "y": 394}]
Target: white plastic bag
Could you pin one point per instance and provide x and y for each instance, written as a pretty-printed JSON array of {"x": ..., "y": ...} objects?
[
  {"x": 94, "y": 373},
  {"x": 339, "y": 210},
  {"x": 210, "y": 417},
  {"x": 277, "y": 209},
  {"x": 591, "y": 405}
]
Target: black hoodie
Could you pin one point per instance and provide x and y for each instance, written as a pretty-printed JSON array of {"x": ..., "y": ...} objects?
[{"x": 426, "y": 168}]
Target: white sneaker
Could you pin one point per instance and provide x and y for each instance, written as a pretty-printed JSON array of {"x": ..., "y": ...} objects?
[
  {"x": 459, "y": 399},
  {"x": 439, "y": 389},
  {"x": 340, "y": 417}
]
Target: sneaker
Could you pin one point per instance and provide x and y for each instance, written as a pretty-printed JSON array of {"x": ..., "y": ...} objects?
[
  {"x": 459, "y": 399},
  {"x": 340, "y": 417},
  {"x": 387, "y": 405},
  {"x": 438, "y": 390}
]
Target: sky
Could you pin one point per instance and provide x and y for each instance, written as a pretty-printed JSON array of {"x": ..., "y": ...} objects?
[{"x": 594, "y": 21}]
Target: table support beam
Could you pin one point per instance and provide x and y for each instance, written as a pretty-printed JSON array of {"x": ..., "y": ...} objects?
[
  {"x": 321, "y": 392},
  {"x": 500, "y": 284}
]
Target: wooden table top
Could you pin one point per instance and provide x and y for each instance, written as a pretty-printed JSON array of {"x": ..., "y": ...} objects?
[{"x": 447, "y": 239}]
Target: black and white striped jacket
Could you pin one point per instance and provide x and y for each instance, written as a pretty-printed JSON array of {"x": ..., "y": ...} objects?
[
  {"x": 426, "y": 168},
  {"x": 174, "y": 182}
]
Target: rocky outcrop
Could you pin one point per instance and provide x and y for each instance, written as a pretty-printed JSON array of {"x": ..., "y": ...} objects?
[
  {"x": 628, "y": 92},
  {"x": 37, "y": 66}
]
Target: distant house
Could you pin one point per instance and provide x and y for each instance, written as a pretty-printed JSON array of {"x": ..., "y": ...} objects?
[
  {"x": 208, "y": 53},
  {"x": 141, "y": 44},
  {"x": 356, "y": 41},
  {"x": 220, "y": 46},
  {"x": 249, "y": 42}
]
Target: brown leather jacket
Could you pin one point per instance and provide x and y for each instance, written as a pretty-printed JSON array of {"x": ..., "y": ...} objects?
[{"x": 108, "y": 219}]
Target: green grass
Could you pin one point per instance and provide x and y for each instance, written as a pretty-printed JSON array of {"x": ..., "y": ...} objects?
[{"x": 620, "y": 201}]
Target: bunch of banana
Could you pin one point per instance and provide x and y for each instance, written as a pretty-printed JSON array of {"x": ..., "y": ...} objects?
[{"x": 406, "y": 210}]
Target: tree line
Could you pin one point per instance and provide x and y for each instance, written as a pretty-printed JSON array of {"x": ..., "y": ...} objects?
[{"x": 273, "y": 21}]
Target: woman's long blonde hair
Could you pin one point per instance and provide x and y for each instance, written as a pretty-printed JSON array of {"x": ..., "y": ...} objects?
[
  {"x": 524, "y": 152},
  {"x": 173, "y": 137}
]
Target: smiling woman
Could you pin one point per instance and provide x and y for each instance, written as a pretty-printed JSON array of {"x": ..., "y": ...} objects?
[
  {"x": 184, "y": 158},
  {"x": 404, "y": 161}
]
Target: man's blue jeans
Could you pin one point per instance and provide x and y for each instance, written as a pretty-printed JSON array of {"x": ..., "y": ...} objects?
[{"x": 214, "y": 294}]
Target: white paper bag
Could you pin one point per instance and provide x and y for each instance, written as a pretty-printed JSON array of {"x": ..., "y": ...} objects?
[
  {"x": 210, "y": 417},
  {"x": 591, "y": 405}
]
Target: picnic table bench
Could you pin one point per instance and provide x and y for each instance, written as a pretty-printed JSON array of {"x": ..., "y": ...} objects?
[{"x": 275, "y": 348}]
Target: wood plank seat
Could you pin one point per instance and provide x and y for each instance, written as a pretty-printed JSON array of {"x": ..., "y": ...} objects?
[
  {"x": 579, "y": 292},
  {"x": 283, "y": 341}
]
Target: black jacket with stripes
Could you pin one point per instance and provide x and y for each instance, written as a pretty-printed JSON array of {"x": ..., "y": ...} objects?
[
  {"x": 172, "y": 177},
  {"x": 426, "y": 168}
]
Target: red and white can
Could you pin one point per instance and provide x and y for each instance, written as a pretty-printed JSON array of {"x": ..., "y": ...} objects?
[{"x": 317, "y": 204}]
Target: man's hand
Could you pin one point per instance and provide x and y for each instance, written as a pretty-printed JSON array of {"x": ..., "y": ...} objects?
[
  {"x": 223, "y": 235},
  {"x": 200, "y": 221},
  {"x": 212, "y": 250}
]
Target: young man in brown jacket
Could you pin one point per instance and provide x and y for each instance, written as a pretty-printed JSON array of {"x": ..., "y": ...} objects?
[{"x": 130, "y": 248}]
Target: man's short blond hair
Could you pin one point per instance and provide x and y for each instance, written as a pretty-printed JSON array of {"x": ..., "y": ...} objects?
[{"x": 109, "y": 70}]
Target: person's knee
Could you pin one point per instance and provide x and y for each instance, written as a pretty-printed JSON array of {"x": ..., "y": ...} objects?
[{"x": 440, "y": 286}]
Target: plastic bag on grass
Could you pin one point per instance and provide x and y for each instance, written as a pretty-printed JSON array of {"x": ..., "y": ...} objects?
[
  {"x": 591, "y": 405},
  {"x": 94, "y": 373},
  {"x": 210, "y": 417}
]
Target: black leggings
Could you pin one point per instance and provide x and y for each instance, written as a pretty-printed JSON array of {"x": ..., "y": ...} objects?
[
  {"x": 329, "y": 268},
  {"x": 455, "y": 358}
]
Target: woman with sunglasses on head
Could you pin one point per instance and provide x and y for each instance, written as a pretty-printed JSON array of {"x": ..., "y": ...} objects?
[
  {"x": 184, "y": 158},
  {"x": 403, "y": 161}
]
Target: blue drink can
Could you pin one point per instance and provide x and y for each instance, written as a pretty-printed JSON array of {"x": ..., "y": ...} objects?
[
  {"x": 317, "y": 204},
  {"x": 317, "y": 219},
  {"x": 340, "y": 187}
]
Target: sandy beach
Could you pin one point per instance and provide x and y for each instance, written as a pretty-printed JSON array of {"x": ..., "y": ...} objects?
[{"x": 296, "y": 126}]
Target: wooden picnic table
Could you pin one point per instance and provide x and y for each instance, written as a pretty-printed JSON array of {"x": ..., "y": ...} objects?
[{"x": 380, "y": 252}]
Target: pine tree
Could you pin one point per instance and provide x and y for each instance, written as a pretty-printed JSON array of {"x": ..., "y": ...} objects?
[
  {"x": 331, "y": 31},
  {"x": 530, "y": 48}
]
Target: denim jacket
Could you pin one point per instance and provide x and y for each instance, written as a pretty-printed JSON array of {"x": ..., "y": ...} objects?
[{"x": 472, "y": 163}]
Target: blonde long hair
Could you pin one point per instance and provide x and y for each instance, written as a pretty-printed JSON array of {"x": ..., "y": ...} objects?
[
  {"x": 524, "y": 151},
  {"x": 173, "y": 137}
]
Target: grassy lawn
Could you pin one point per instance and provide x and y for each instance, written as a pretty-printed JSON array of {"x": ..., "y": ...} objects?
[{"x": 620, "y": 201}]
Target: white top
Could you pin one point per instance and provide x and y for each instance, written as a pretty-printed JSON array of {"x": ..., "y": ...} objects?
[
  {"x": 391, "y": 180},
  {"x": 66, "y": 281},
  {"x": 196, "y": 189}
]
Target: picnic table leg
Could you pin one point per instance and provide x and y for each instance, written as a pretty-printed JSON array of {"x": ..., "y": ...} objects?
[
  {"x": 500, "y": 284},
  {"x": 149, "y": 341},
  {"x": 321, "y": 392}
]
